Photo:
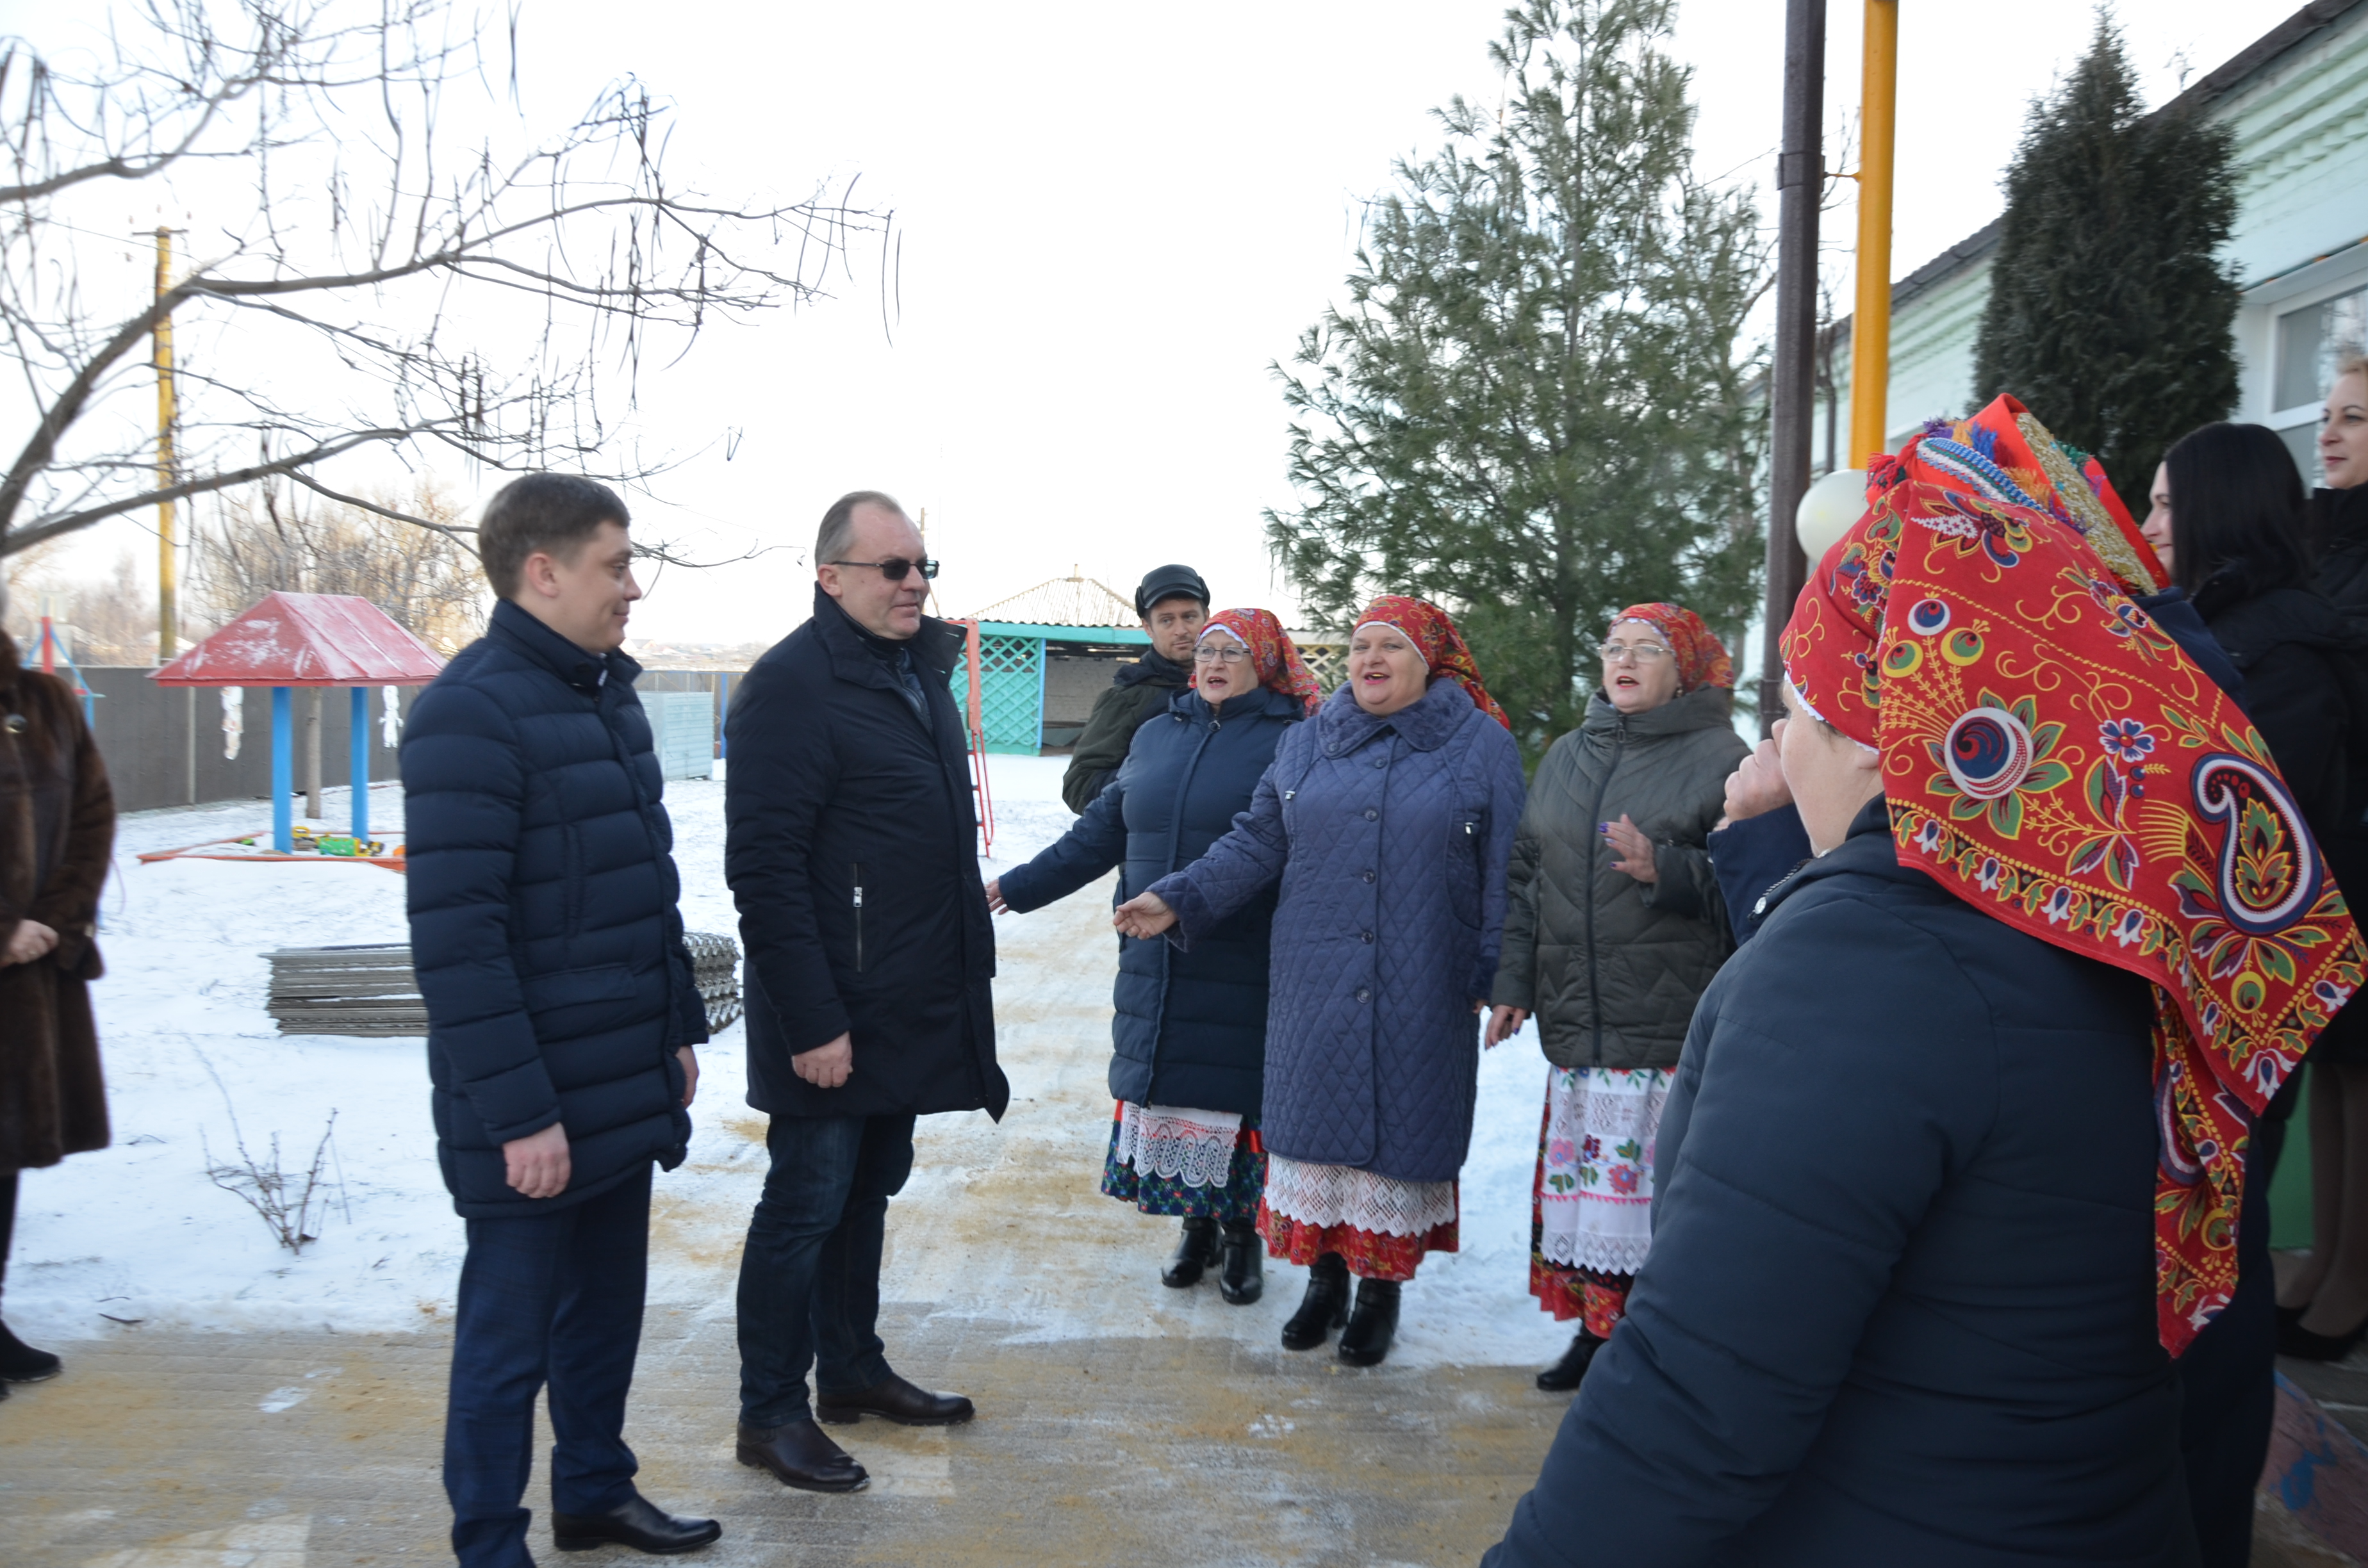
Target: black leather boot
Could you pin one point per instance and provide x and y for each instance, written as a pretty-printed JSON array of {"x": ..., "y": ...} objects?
[
  {"x": 1564, "y": 1374},
  {"x": 1324, "y": 1308},
  {"x": 1243, "y": 1278},
  {"x": 21, "y": 1363},
  {"x": 1193, "y": 1254},
  {"x": 1373, "y": 1326}
]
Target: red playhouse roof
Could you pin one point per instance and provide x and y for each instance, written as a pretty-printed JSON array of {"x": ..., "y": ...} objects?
[{"x": 307, "y": 640}]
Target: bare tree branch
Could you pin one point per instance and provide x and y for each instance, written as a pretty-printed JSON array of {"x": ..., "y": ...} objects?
[{"x": 371, "y": 248}]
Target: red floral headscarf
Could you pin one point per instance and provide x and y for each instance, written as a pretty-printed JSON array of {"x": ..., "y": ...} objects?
[
  {"x": 1441, "y": 645},
  {"x": 1701, "y": 657},
  {"x": 1272, "y": 654},
  {"x": 2052, "y": 757}
]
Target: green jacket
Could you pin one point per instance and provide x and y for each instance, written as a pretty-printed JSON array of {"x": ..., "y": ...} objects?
[
  {"x": 1140, "y": 691},
  {"x": 1610, "y": 966}
]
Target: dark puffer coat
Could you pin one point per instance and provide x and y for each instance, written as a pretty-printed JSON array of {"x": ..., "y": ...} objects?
[
  {"x": 1900, "y": 1306},
  {"x": 1389, "y": 838},
  {"x": 1137, "y": 694},
  {"x": 57, "y": 829},
  {"x": 1191, "y": 1024},
  {"x": 1610, "y": 966},
  {"x": 2301, "y": 660},
  {"x": 2338, "y": 532},
  {"x": 544, "y": 924},
  {"x": 851, "y": 846},
  {"x": 2338, "y": 526}
]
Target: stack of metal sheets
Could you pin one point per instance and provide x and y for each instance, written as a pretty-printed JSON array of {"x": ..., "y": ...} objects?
[{"x": 369, "y": 989}]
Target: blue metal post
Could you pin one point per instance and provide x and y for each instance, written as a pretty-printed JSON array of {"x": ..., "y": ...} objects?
[
  {"x": 283, "y": 770},
  {"x": 723, "y": 714},
  {"x": 362, "y": 769},
  {"x": 1043, "y": 663}
]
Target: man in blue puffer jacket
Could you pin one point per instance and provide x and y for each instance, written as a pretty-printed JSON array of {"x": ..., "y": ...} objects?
[{"x": 562, "y": 1016}]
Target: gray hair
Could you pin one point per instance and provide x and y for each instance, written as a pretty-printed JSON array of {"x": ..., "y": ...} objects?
[{"x": 838, "y": 523}]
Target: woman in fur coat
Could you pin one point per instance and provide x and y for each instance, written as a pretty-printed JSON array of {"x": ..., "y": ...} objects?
[{"x": 57, "y": 830}]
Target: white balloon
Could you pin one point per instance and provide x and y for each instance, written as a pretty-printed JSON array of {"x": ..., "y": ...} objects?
[{"x": 1828, "y": 510}]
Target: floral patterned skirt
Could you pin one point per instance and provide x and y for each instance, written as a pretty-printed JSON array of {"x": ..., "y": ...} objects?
[
  {"x": 1591, "y": 1202},
  {"x": 1164, "y": 1162},
  {"x": 1381, "y": 1226}
]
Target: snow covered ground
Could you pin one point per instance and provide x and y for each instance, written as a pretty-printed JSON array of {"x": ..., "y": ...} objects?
[{"x": 138, "y": 1235}]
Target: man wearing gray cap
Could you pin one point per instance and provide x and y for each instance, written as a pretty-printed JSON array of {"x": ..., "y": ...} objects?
[{"x": 1174, "y": 603}]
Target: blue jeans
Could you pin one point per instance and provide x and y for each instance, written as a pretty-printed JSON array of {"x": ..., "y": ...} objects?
[
  {"x": 810, "y": 1274},
  {"x": 551, "y": 1298}
]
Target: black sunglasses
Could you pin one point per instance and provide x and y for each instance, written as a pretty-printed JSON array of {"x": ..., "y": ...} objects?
[{"x": 894, "y": 568}]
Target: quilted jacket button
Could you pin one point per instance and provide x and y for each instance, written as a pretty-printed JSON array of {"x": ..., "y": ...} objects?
[
  {"x": 1363, "y": 994},
  {"x": 1381, "y": 761},
  {"x": 1371, "y": 815},
  {"x": 1369, "y": 876},
  {"x": 1369, "y": 939}
]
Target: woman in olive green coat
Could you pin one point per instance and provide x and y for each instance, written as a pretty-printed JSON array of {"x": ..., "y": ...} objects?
[{"x": 1613, "y": 926}]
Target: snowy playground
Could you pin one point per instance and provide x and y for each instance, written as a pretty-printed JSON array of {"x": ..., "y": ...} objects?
[{"x": 998, "y": 1222}]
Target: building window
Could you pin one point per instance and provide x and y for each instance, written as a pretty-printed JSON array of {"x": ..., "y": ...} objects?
[{"x": 2312, "y": 340}]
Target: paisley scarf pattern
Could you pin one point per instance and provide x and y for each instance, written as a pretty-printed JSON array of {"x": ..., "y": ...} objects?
[{"x": 2053, "y": 758}]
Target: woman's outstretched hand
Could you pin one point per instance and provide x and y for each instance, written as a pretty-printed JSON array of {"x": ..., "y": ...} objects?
[
  {"x": 1636, "y": 850},
  {"x": 995, "y": 905},
  {"x": 1504, "y": 1024},
  {"x": 1144, "y": 916}
]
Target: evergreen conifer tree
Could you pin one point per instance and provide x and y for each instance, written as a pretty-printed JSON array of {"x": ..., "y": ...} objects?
[
  {"x": 2111, "y": 313},
  {"x": 1531, "y": 409}
]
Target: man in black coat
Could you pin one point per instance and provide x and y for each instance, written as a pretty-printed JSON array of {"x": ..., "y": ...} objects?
[
  {"x": 1173, "y": 603},
  {"x": 851, "y": 850},
  {"x": 561, "y": 1009}
]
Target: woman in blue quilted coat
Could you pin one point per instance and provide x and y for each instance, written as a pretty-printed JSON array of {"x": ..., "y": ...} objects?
[
  {"x": 1189, "y": 1027},
  {"x": 1386, "y": 822}
]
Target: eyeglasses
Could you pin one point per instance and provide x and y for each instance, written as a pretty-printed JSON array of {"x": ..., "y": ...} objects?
[
  {"x": 894, "y": 568},
  {"x": 1643, "y": 653},
  {"x": 1209, "y": 653}
]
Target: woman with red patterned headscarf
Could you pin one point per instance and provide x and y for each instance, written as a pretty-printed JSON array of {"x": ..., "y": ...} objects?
[
  {"x": 1385, "y": 823},
  {"x": 1188, "y": 1028},
  {"x": 1613, "y": 925},
  {"x": 1953, "y": 1164}
]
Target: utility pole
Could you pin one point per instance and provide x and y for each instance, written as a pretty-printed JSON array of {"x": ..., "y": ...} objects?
[
  {"x": 168, "y": 581},
  {"x": 1799, "y": 185},
  {"x": 1871, "y": 321}
]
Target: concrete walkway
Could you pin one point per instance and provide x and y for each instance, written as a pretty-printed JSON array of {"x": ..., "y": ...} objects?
[
  {"x": 1118, "y": 1422},
  {"x": 1121, "y": 1423}
]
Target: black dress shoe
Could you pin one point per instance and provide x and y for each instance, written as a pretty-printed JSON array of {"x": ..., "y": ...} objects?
[
  {"x": 898, "y": 1401},
  {"x": 1193, "y": 1254},
  {"x": 800, "y": 1454},
  {"x": 1324, "y": 1308},
  {"x": 1243, "y": 1279},
  {"x": 2304, "y": 1345},
  {"x": 1564, "y": 1374},
  {"x": 1373, "y": 1326},
  {"x": 636, "y": 1522},
  {"x": 21, "y": 1363}
]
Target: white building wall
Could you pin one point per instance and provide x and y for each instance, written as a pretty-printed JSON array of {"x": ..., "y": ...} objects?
[{"x": 2300, "y": 128}]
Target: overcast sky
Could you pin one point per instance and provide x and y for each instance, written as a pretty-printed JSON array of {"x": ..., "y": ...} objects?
[{"x": 1113, "y": 220}]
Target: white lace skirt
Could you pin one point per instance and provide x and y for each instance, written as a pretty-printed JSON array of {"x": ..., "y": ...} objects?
[
  {"x": 1325, "y": 1196},
  {"x": 1595, "y": 1179},
  {"x": 1195, "y": 1147}
]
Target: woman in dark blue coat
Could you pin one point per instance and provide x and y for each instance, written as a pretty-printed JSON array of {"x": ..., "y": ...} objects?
[
  {"x": 1953, "y": 1167},
  {"x": 1190, "y": 1027}
]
